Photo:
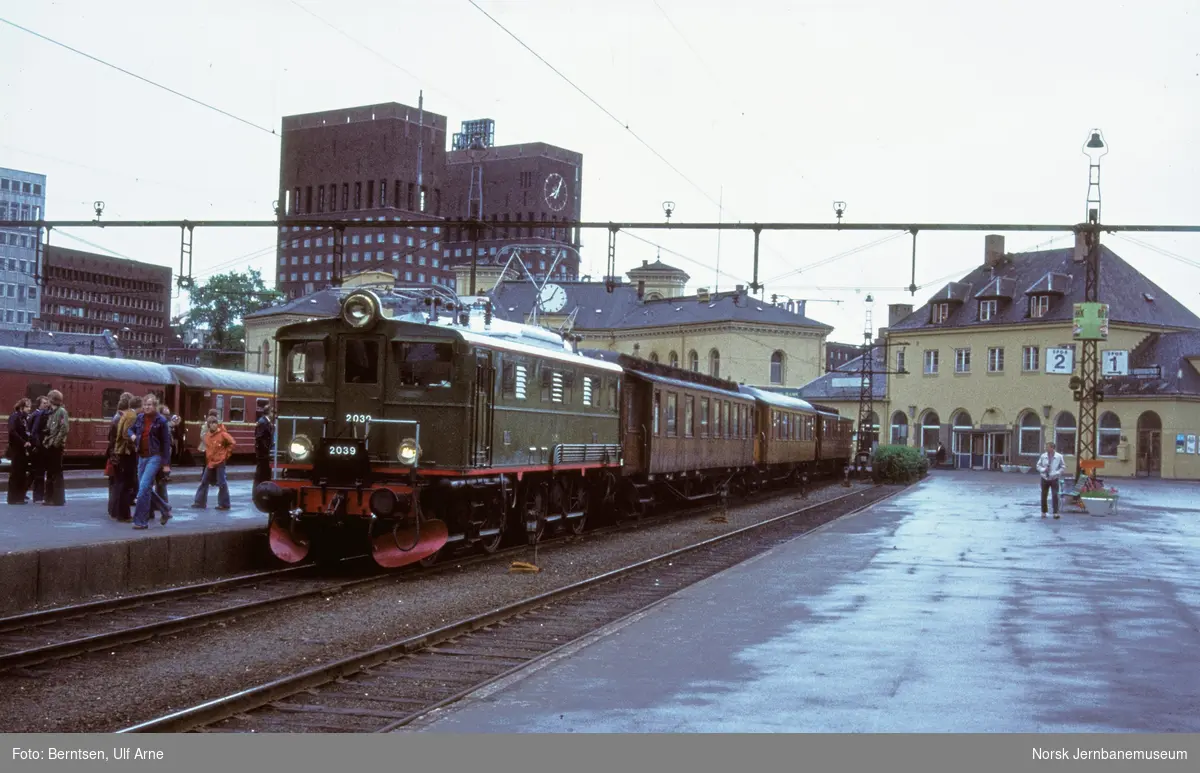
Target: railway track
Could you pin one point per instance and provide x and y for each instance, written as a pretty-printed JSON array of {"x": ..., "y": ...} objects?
[
  {"x": 64, "y": 632},
  {"x": 391, "y": 686}
]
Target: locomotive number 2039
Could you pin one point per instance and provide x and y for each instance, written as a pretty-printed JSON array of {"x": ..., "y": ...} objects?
[
  {"x": 358, "y": 418},
  {"x": 343, "y": 450}
]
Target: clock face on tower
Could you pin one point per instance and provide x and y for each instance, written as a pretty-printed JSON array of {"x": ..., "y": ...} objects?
[
  {"x": 552, "y": 298},
  {"x": 555, "y": 192}
]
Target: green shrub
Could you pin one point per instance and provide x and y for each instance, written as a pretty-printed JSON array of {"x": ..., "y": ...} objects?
[{"x": 899, "y": 464}]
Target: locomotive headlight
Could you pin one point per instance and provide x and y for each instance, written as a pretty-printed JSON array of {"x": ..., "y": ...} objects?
[
  {"x": 361, "y": 309},
  {"x": 300, "y": 448},
  {"x": 408, "y": 451}
]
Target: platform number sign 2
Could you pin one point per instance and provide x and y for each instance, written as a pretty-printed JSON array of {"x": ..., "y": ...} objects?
[
  {"x": 1114, "y": 363},
  {"x": 1060, "y": 360}
]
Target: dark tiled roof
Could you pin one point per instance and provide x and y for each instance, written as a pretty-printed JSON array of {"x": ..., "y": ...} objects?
[
  {"x": 845, "y": 383},
  {"x": 621, "y": 310},
  {"x": 322, "y": 303},
  {"x": 1051, "y": 283},
  {"x": 1168, "y": 351},
  {"x": 1122, "y": 286},
  {"x": 999, "y": 287},
  {"x": 657, "y": 265},
  {"x": 955, "y": 292}
]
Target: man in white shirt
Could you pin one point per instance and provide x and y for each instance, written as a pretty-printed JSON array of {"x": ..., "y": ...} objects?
[{"x": 1051, "y": 465}]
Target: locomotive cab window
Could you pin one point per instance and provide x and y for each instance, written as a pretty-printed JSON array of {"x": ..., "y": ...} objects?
[
  {"x": 305, "y": 362},
  {"x": 361, "y": 363},
  {"x": 424, "y": 364},
  {"x": 237, "y": 408}
]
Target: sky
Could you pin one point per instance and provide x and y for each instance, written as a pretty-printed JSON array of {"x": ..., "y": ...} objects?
[{"x": 925, "y": 112}]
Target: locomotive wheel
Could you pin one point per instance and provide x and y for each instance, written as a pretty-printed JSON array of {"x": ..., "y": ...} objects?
[
  {"x": 495, "y": 521},
  {"x": 532, "y": 507},
  {"x": 577, "y": 501}
]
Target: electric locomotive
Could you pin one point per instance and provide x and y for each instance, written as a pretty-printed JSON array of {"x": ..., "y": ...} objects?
[
  {"x": 423, "y": 425},
  {"x": 422, "y": 428}
]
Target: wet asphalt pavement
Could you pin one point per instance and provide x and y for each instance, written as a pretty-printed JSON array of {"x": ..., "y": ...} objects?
[{"x": 953, "y": 607}]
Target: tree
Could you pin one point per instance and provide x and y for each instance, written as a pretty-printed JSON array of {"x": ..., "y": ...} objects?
[{"x": 220, "y": 304}]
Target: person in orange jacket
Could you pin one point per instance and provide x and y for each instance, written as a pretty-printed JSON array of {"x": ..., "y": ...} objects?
[{"x": 218, "y": 447}]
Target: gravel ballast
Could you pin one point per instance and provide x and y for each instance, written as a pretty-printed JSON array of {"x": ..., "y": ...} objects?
[{"x": 107, "y": 691}]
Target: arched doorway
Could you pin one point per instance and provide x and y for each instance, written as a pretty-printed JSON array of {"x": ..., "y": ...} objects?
[{"x": 1149, "y": 445}]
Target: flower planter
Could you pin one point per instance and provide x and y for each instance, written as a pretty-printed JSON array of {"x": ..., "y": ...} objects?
[{"x": 1098, "y": 505}]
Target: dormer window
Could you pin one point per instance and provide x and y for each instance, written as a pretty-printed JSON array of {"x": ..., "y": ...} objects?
[
  {"x": 941, "y": 312},
  {"x": 987, "y": 310},
  {"x": 1039, "y": 305}
]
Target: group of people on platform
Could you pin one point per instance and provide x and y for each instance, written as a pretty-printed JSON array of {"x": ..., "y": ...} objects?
[
  {"x": 37, "y": 437},
  {"x": 143, "y": 437}
]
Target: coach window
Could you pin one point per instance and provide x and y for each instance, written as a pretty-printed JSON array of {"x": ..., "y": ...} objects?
[
  {"x": 613, "y": 391},
  {"x": 672, "y": 427},
  {"x": 237, "y": 408},
  {"x": 424, "y": 364},
  {"x": 36, "y": 390},
  {"x": 361, "y": 365},
  {"x": 657, "y": 410},
  {"x": 260, "y": 407},
  {"x": 703, "y": 417},
  {"x": 220, "y": 406},
  {"x": 689, "y": 416},
  {"x": 108, "y": 402},
  {"x": 305, "y": 362}
]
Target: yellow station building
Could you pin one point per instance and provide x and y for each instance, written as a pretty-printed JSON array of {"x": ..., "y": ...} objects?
[{"x": 990, "y": 357}]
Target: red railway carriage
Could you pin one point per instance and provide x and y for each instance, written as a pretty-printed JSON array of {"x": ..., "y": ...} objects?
[
  {"x": 91, "y": 387},
  {"x": 239, "y": 399}
]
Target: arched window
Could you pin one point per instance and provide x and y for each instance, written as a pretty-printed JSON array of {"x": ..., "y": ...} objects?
[
  {"x": 694, "y": 361},
  {"x": 1064, "y": 434},
  {"x": 873, "y": 425},
  {"x": 931, "y": 431},
  {"x": 1031, "y": 435},
  {"x": 673, "y": 358},
  {"x": 777, "y": 368},
  {"x": 654, "y": 297},
  {"x": 1110, "y": 434},
  {"x": 960, "y": 442},
  {"x": 899, "y": 429},
  {"x": 653, "y": 356},
  {"x": 714, "y": 363}
]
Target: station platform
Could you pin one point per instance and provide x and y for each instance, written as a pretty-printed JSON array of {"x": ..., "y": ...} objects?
[
  {"x": 952, "y": 607},
  {"x": 76, "y": 553},
  {"x": 90, "y": 478}
]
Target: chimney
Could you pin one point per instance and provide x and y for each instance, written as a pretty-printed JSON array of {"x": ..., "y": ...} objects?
[
  {"x": 800, "y": 307},
  {"x": 897, "y": 312},
  {"x": 641, "y": 288},
  {"x": 645, "y": 262},
  {"x": 993, "y": 250},
  {"x": 702, "y": 294},
  {"x": 741, "y": 289}
]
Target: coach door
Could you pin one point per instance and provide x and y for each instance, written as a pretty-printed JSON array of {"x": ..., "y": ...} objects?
[
  {"x": 637, "y": 422},
  {"x": 360, "y": 388},
  {"x": 482, "y": 409}
]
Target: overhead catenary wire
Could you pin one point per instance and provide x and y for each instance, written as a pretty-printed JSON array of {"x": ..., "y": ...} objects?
[
  {"x": 376, "y": 53},
  {"x": 601, "y": 107},
  {"x": 144, "y": 79}
]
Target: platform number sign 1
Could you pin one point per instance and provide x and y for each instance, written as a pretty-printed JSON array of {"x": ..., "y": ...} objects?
[
  {"x": 1114, "y": 363},
  {"x": 1060, "y": 360}
]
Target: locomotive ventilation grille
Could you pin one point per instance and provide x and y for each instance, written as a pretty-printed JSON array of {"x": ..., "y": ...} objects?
[{"x": 577, "y": 453}]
